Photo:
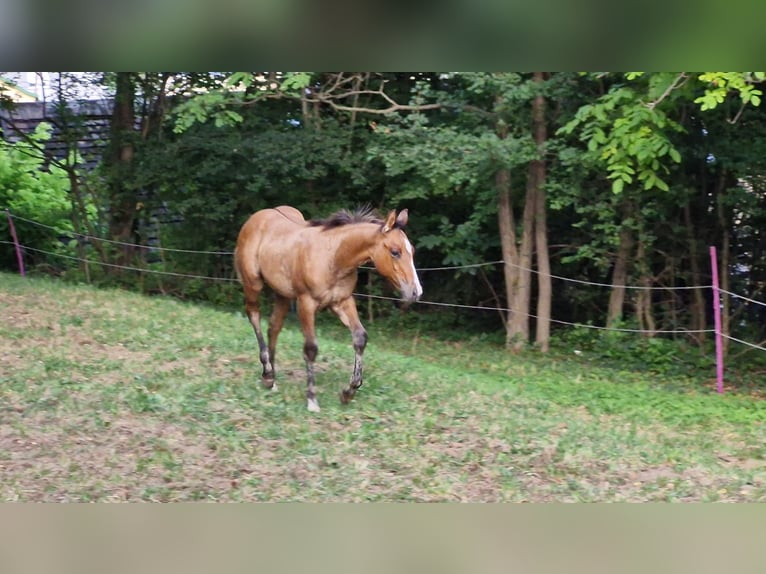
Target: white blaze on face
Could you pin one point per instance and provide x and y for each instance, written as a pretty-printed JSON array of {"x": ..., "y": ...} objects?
[{"x": 418, "y": 288}]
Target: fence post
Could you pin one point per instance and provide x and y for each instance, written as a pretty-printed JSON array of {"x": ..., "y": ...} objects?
[
  {"x": 717, "y": 319},
  {"x": 19, "y": 256}
]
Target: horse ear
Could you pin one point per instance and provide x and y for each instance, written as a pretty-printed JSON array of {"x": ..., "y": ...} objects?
[
  {"x": 390, "y": 222},
  {"x": 401, "y": 221}
]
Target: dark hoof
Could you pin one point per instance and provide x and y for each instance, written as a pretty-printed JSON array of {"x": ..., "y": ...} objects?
[
  {"x": 268, "y": 381},
  {"x": 346, "y": 396}
]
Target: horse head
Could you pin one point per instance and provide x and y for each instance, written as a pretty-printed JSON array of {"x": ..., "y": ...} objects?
[{"x": 393, "y": 256}]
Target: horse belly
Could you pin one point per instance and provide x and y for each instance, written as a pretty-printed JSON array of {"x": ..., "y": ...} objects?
[{"x": 278, "y": 274}]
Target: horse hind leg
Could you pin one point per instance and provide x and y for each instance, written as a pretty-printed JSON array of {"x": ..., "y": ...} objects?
[
  {"x": 253, "y": 288},
  {"x": 307, "y": 309},
  {"x": 277, "y": 319}
]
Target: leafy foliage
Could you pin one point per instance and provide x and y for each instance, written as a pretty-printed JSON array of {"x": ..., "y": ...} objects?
[
  {"x": 676, "y": 159},
  {"x": 626, "y": 350},
  {"x": 722, "y": 83},
  {"x": 628, "y": 137},
  {"x": 451, "y": 156},
  {"x": 31, "y": 190}
]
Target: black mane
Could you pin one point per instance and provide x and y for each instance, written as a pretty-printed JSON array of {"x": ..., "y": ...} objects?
[{"x": 346, "y": 217}]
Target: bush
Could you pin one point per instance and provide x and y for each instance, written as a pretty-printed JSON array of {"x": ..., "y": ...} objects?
[
  {"x": 635, "y": 352},
  {"x": 33, "y": 191}
]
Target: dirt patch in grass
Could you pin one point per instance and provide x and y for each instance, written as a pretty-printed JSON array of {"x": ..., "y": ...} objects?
[{"x": 44, "y": 457}]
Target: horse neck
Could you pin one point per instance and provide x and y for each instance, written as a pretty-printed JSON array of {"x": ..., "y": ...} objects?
[{"x": 355, "y": 242}]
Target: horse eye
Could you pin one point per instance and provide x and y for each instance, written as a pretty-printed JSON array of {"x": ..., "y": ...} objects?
[{"x": 395, "y": 253}]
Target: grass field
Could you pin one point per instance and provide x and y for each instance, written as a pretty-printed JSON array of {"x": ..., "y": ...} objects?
[{"x": 112, "y": 396}]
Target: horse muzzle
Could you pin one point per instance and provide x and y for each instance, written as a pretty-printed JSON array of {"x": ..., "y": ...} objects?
[{"x": 410, "y": 292}]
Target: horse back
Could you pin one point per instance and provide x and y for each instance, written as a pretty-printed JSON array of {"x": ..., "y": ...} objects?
[
  {"x": 277, "y": 223},
  {"x": 267, "y": 247}
]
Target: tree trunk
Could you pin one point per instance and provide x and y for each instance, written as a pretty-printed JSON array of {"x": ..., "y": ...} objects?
[
  {"x": 74, "y": 196},
  {"x": 545, "y": 290},
  {"x": 644, "y": 312},
  {"x": 620, "y": 274},
  {"x": 519, "y": 328},
  {"x": 507, "y": 242},
  {"x": 698, "y": 306},
  {"x": 507, "y": 228},
  {"x": 545, "y": 287},
  {"x": 725, "y": 286},
  {"x": 122, "y": 205},
  {"x": 155, "y": 97}
]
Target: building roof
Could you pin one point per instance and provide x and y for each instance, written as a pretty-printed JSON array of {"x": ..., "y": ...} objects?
[
  {"x": 86, "y": 122},
  {"x": 16, "y": 93}
]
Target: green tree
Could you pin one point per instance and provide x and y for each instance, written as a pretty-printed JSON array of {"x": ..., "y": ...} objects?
[
  {"x": 29, "y": 190},
  {"x": 644, "y": 132}
]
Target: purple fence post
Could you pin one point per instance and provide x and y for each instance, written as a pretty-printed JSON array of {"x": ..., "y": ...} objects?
[
  {"x": 717, "y": 318},
  {"x": 16, "y": 243}
]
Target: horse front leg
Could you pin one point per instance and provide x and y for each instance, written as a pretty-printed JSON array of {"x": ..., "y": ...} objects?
[
  {"x": 307, "y": 309},
  {"x": 349, "y": 316}
]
